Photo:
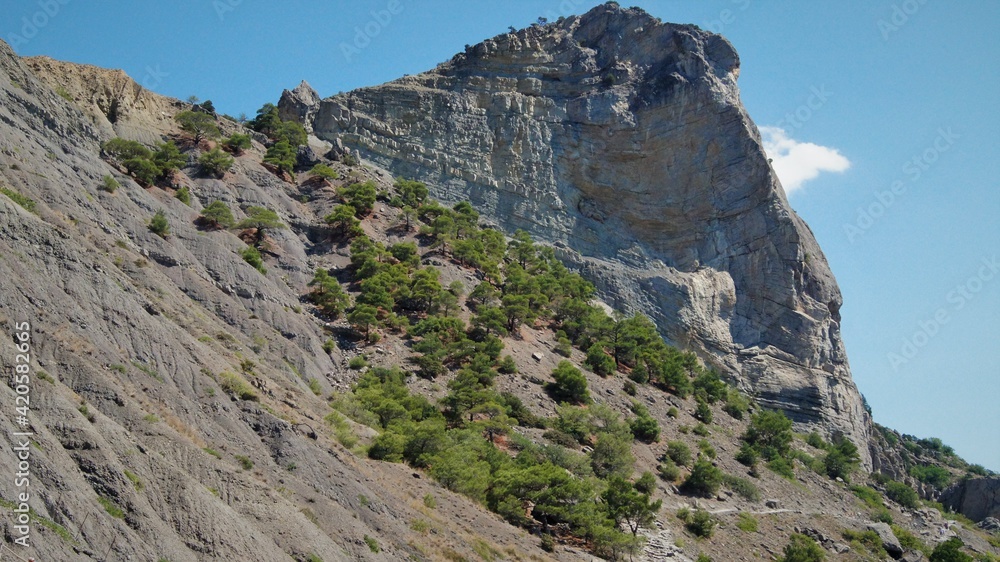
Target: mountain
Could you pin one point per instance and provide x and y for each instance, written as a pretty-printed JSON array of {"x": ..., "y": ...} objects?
[
  {"x": 622, "y": 141},
  {"x": 194, "y": 393}
]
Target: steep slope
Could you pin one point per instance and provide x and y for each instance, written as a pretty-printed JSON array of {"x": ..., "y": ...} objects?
[
  {"x": 138, "y": 452},
  {"x": 621, "y": 140}
]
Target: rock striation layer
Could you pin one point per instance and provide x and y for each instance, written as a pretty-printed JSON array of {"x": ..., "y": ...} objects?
[{"x": 622, "y": 141}]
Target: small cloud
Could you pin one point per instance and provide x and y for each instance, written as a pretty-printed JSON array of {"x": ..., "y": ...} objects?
[{"x": 798, "y": 162}]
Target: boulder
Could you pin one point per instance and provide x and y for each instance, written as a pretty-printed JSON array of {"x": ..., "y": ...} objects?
[{"x": 889, "y": 541}]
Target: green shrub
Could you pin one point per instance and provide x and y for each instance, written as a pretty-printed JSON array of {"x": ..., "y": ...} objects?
[
  {"x": 199, "y": 124},
  {"x": 866, "y": 541},
  {"x": 252, "y": 256},
  {"x": 871, "y": 497},
  {"x": 841, "y": 459},
  {"x": 159, "y": 225},
  {"x": 27, "y": 203},
  {"x": 704, "y": 479},
  {"x": 315, "y": 387},
  {"x": 111, "y": 507},
  {"x": 737, "y": 405},
  {"x": 902, "y": 494},
  {"x": 801, "y": 548},
  {"x": 547, "y": 543},
  {"x": 372, "y": 544},
  {"x": 782, "y": 467},
  {"x": 237, "y": 143},
  {"x": 706, "y": 448},
  {"x": 570, "y": 384},
  {"x": 934, "y": 475},
  {"x": 673, "y": 413},
  {"x": 245, "y": 462},
  {"x": 237, "y": 386},
  {"x": 324, "y": 171},
  {"x": 217, "y": 215},
  {"x": 357, "y": 362},
  {"x": 282, "y": 156},
  {"x": 770, "y": 433},
  {"x": 747, "y": 523},
  {"x": 215, "y": 162},
  {"x": 669, "y": 471},
  {"x": 183, "y": 195},
  {"x": 950, "y": 551},
  {"x": 109, "y": 184},
  {"x": 882, "y": 515},
  {"x": 507, "y": 366},
  {"x": 909, "y": 541},
  {"x": 679, "y": 452},
  {"x": 815, "y": 440},
  {"x": 701, "y": 430},
  {"x": 701, "y": 523},
  {"x": 599, "y": 361},
  {"x": 742, "y": 487},
  {"x": 644, "y": 427}
]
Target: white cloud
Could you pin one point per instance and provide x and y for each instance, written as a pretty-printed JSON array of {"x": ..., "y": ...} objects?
[{"x": 798, "y": 162}]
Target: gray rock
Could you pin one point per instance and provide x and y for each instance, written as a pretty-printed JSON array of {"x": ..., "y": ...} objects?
[
  {"x": 622, "y": 140},
  {"x": 989, "y": 524},
  {"x": 889, "y": 541},
  {"x": 772, "y": 504},
  {"x": 976, "y": 498},
  {"x": 299, "y": 104}
]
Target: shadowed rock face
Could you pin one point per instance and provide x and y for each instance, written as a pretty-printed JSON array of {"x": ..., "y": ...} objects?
[{"x": 622, "y": 141}]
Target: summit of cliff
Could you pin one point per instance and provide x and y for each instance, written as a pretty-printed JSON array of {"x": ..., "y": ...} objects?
[{"x": 621, "y": 140}]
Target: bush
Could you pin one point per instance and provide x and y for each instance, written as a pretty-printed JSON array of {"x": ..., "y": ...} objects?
[
  {"x": 599, "y": 361},
  {"x": 742, "y": 487},
  {"x": 842, "y": 459},
  {"x": 703, "y": 412},
  {"x": 679, "y": 452},
  {"x": 902, "y": 494},
  {"x": 736, "y": 404},
  {"x": 570, "y": 385},
  {"x": 324, "y": 171},
  {"x": 673, "y": 412},
  {"x": 669, "y": 471},
  {"x": 950, "y": 551},
  {"x": 815, "y": 440},
  {"x": 801, "y": 548},
  {"x": 704, "y": 479},
  {"x": 109, "y": 184},
  {"x": 252, "y": 256},
  {"x": 200, "y": 125},
  {"x": 237, "y": 143},
  {"x": 217, "y": 215},
  {"x": 909, "y": 541},
  {"x": 701, "y": 523},
  {"x": 184, "y": 195},
  {"x": 866, "y": 540},
  {"x": 770, "y": 433},
  {"x": 215, "y": 162},
  {"x": 871, "y": 497},
  {"x": 644, "y": 427},
  {"x": 25, "y": 202},
  {"x": 747, "y": 523},
  {"x": 159, "y": 225},
  {"x": 782, "y": 467},
  {"x": 143, "y": 170},
  {"x": 282, "y": 156},
  {"x": 934, "y": 475},
  {"x": 357, "y": 362},
  {"x": 237, "y": 387}
]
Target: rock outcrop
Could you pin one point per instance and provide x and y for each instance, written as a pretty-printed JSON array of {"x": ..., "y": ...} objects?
[
  {"x": 116, "y": 104},
  {"x": 622, "y": 141},
  {"x": 975, "y": 498}
]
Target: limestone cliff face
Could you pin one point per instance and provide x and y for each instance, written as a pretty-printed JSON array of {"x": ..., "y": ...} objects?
[{"x": 622, "y": 141}]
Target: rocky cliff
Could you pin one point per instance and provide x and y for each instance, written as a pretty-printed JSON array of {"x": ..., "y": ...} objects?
[{"x": 622, "y": 141}]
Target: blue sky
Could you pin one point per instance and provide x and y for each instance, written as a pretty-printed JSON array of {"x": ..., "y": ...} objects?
[{"x": 888, "y": 106}]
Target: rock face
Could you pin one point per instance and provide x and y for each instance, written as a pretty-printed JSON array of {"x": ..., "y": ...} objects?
[
  {"x": 976, "y": 498},
  {"x": 115, "y": 103},
  {"x": 299, "y": 104},
  {"x": 622, "y": 141}
]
